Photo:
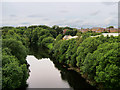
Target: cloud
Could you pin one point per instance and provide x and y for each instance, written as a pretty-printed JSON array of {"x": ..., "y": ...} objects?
[
  {"x": 65, "y": 21},
  {"x": 109, "y": 3},
  {"x": 35, "y": 16},
  {"x": 72, "y": 14},
  {"x": 111, "y": 21},
  {"x": 74, "y": 21},
  {"x": 13, "y": 15},
  {"x": 95, "y": 13},
  {"x": 89, "y": 23},
  {"x": 25, "y": 23},
  {"x": 108, "y": 20},
  {"x": 64, "y": 11},
  {"x": 46, "y": 19},
  {"x": 59, "y": 0},
  {"x": 112, "y": 13}
]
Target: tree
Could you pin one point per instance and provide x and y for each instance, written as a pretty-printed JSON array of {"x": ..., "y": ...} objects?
[
  {"x": 35, "y": 37},
  {"x": 64, "y": 46},
  {"x": 111, "y": 27},
  {"x": 58, "y": 29},
  {"x": 12, "y": 75},
  {"x": 17, "y": 49},
  {"x": 108, "y": 65},
  {"x": 73, "y": 60},
  {"x": 59, "y": 37},
  {"x": 47, "y": 41},
  {"x": 71, "y": 32},
  {"x": 53, "y": 32},
  {"x": 69, "y": 51},
  {"x": 89, "y": 45},
  {"x": 55, "y": 49}
]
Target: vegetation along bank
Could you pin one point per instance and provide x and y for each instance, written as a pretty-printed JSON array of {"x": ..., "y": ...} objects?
[{"x": 96, "y": 58}]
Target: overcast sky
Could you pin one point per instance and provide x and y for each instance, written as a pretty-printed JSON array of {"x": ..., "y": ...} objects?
[
  {"x": 60, "y": 0},
  {"x": 73, "y": 14}
]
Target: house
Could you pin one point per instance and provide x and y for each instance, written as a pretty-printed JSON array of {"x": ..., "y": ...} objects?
[
  {"x": 95, "y": 36},
  {"x": 74, "y": 37},
  {"x": 98, "y": 29},
  {"x": 67, "y": 37},
  {"x": 107, "y": 34},
  {"x": 111, "y": 34},
  {"x": 64, "y": 31},
  {"x": 84, "y": 30},
  {"x": 112, "y": 30}
]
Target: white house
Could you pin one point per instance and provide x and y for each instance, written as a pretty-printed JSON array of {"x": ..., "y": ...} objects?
[{"x": 67, "y": 37}]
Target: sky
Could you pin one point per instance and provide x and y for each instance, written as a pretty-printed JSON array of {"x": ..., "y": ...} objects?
[
  {"x": 60, "y": 0},
  {"x": 73, "y": 14}
]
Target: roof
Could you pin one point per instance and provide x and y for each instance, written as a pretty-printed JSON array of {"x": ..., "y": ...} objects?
[{"x": 67, "y": 37}]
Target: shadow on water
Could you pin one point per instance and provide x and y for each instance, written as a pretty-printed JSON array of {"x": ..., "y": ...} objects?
[
  {"x": 39, "y": 52},
  {"x": 74, "y": 79}
]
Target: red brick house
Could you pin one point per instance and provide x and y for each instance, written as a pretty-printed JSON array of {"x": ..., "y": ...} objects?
[
  {"x": 64, "y": 31},
  {"x": 98, "y": 29}
]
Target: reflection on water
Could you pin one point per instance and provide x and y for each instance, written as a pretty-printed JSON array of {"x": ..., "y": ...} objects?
[
  {"x": 73, "y": 78},
  {"x": 46, "y": 73},
  {"x": 39, "y": 53}
]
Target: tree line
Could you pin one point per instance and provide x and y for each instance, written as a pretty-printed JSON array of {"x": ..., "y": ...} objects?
[
  {"x": 16, "y": 43},
  {"x": 97, "y": 57}
]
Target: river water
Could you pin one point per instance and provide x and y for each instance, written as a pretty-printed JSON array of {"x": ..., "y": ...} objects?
[{"x": 46, "y": 74}]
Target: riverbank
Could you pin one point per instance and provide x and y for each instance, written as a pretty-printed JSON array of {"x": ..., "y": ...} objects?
[
  {"x": 96, "y": 56},
  {"x": 96, "y": 59},
  {"x": 88, "y": 80},
  {"x": 91, "y": 82},
  {"x": 79, "y": 81}
]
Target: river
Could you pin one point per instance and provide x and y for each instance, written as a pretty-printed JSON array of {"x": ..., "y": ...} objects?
[{"x": 46, "y": 74}]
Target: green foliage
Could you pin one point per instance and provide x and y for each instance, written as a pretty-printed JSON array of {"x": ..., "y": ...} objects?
[
  {"x": 50, "y": 46},
  {"x": 108, "y": 65},
  {"x": 53, "y": 33},
  {"x": 88, "y": 34},
  {"x": 89, "y": 45},
  {"x": 34, "y": 38},
  {"x": 73, "y": 61},
  {"x": 55, "y": 49},
  {"x": 58, "y": 29},
  {"x": 111, "y": 27},
  {"x": 17, "y": 49},
  {"x": 68, "y": 28},
  {"x": 69, "y": 51},
  {"x": 46, "y": 41},
  {"x": 64, "y": 46},
  {"x": 71, "y": 32},
  {"x": 59, "y": 37},
  {"x": 97, "y": 57},
  {"x": 88, "y": 64},
  {"x": 16, "y": 42},
  {"x": 14, "y": 52},
  {"x": 14, "y": 74}
]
